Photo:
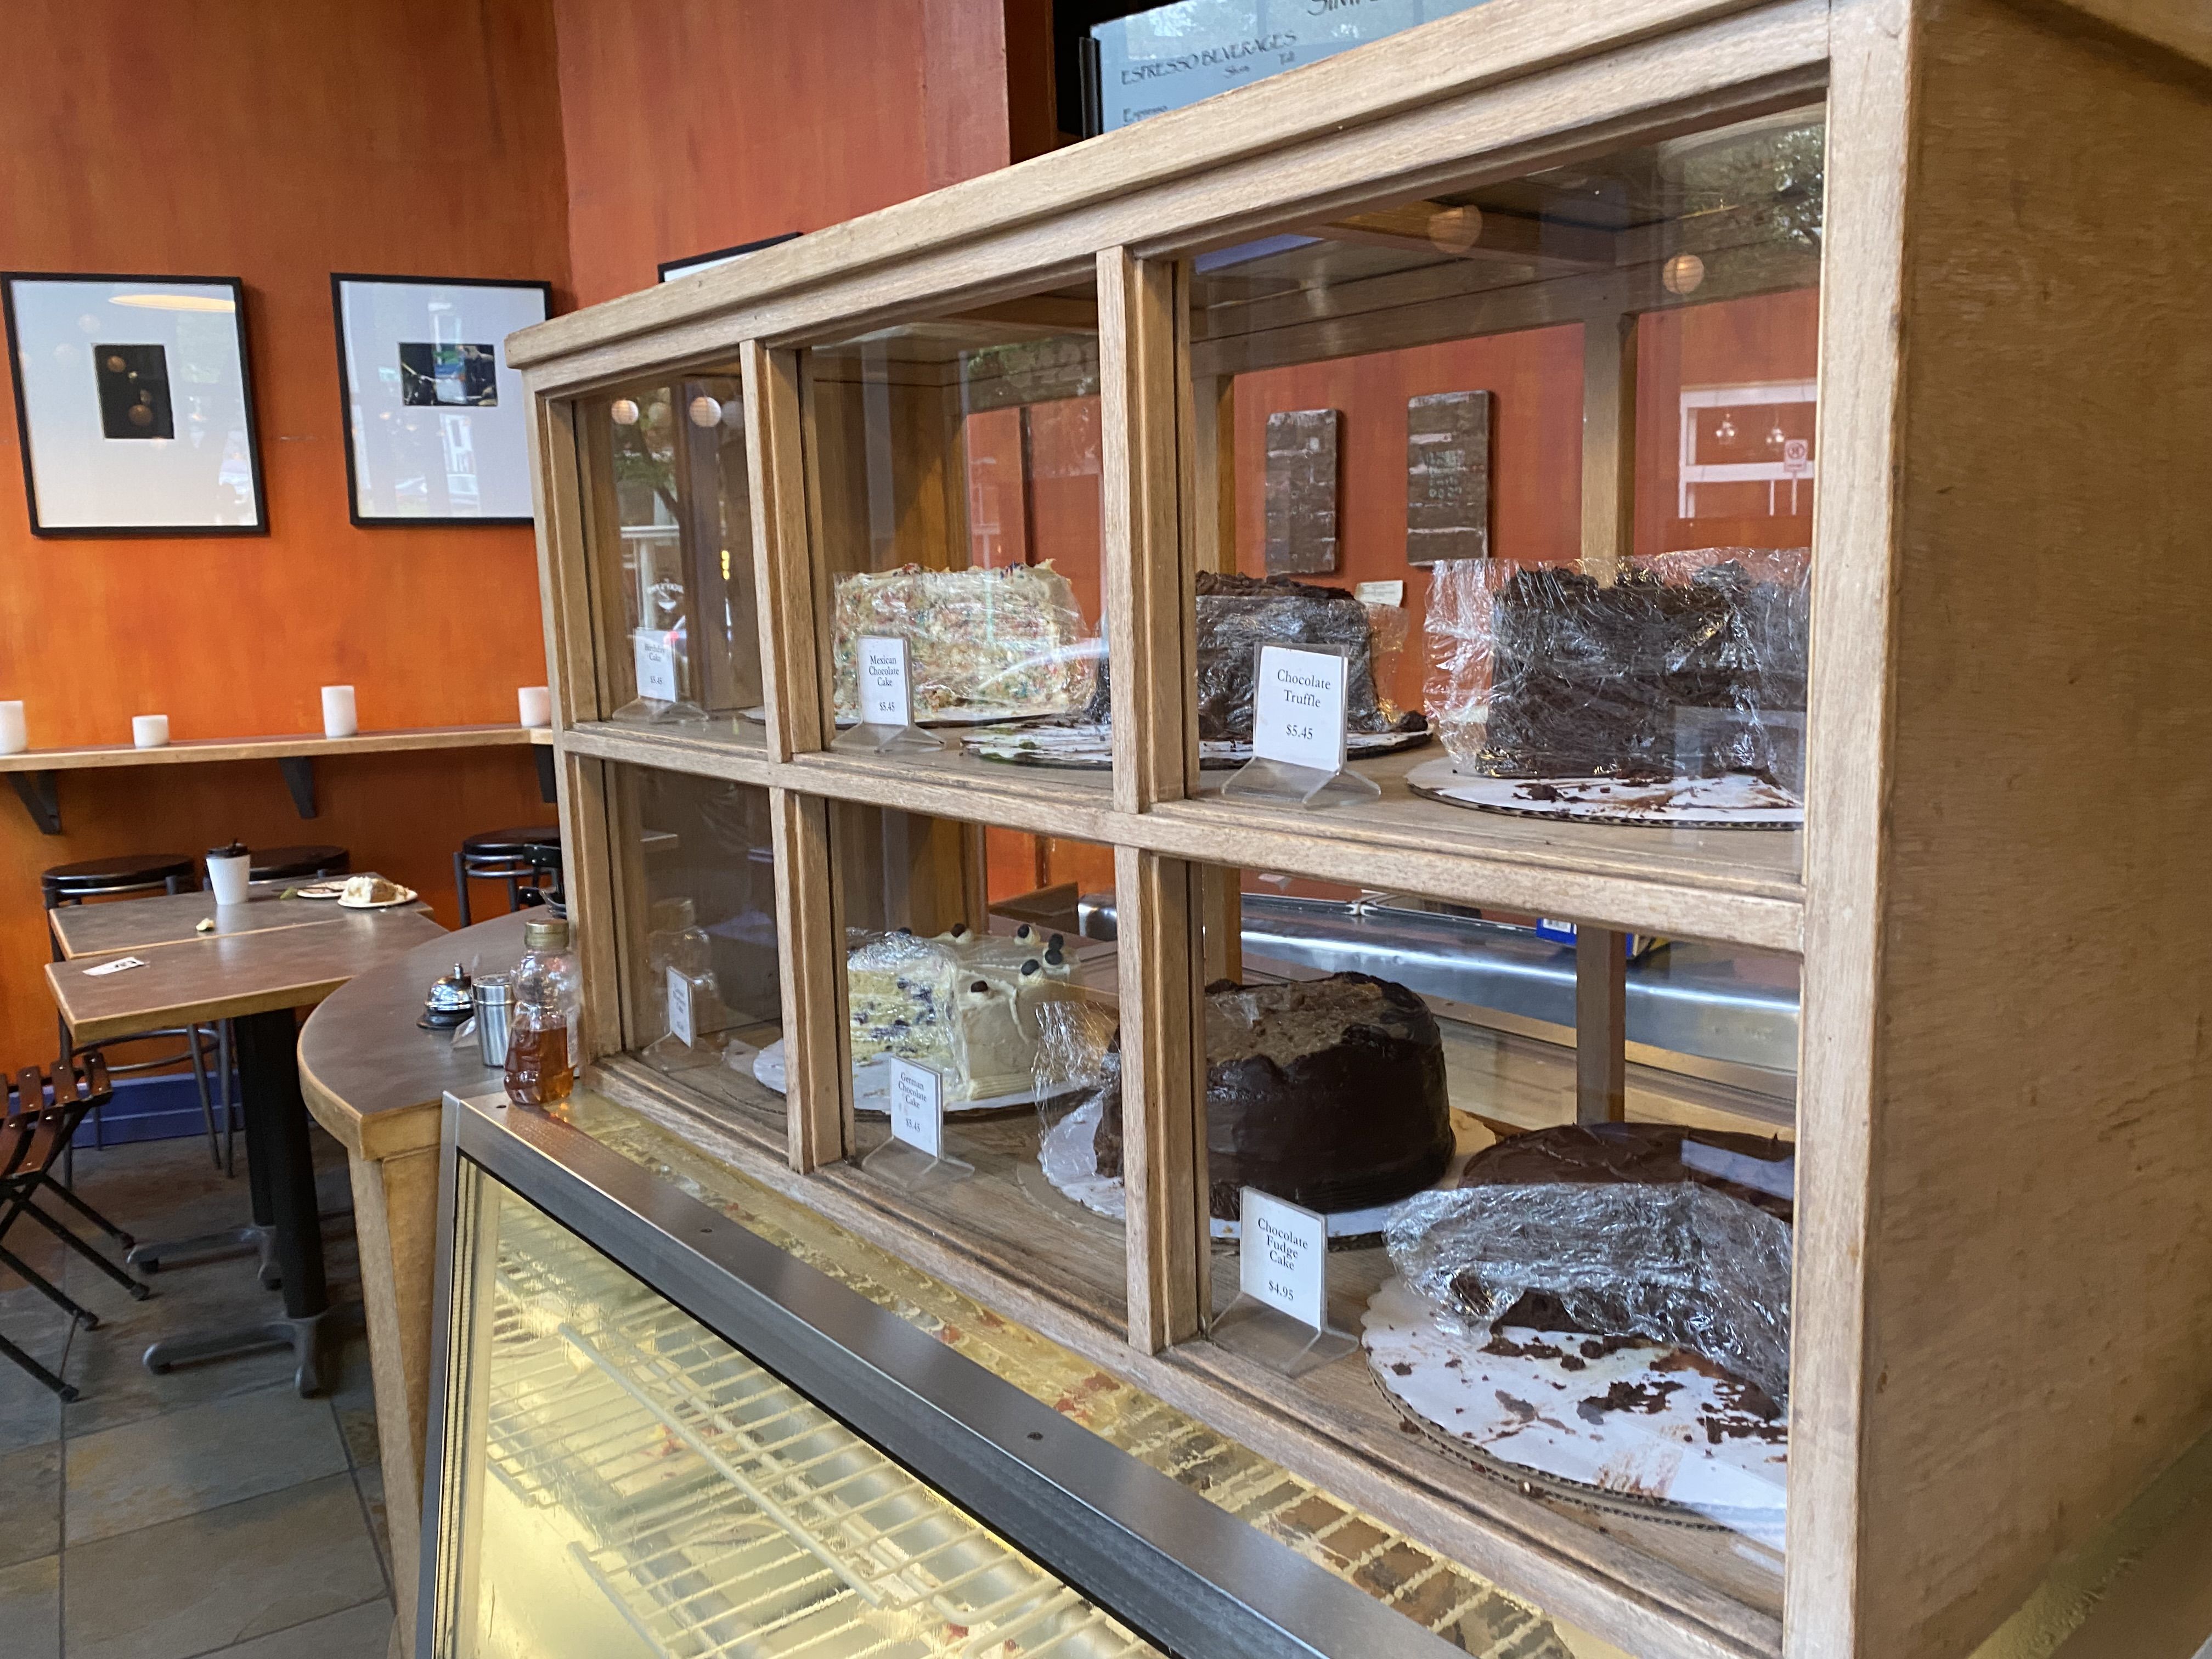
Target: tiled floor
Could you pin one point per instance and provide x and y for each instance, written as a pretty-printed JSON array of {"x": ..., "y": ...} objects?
[{"x": 212, "y": 1511}]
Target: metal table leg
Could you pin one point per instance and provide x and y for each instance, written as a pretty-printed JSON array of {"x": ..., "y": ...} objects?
[
  {"x": 259, "y": 1235},
  {"x": 277, "y": 1153}
]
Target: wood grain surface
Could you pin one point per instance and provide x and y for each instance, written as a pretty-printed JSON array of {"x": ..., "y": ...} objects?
[
  {"x": 221, "y": 977},
  {"x": 174, "y": 918},
  {"x": 308, "y": 744}
]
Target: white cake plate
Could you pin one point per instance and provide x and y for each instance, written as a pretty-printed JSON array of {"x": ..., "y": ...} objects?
[
  {"x": 757, "y": 715},
  {"x": 1069, "y": 1155},
  {"x": 1674, "y": 1436},
  {"x": 872, "y": 1086},
  {"x": 1088, "y": 746},
  {"x": 1737, "y": 801}
]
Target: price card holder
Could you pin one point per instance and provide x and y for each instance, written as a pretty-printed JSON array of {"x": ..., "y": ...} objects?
[
  {"x": 1281, "y": 1317},
  {"x": 657, "y": 662},
  {"x": 1297, "y": 731},
  {"x": 694, "y": 1001},
  {"x": 914, "y": 1157},
  {"x": 886, "y": 689}
]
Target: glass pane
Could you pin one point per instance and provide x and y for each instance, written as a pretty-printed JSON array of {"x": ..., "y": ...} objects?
[
  {"x": 1470, "y": 1613},
  {"x": 646, "y": 1488},
  {"x": 981, "y": 967},
  {"x": 954, "y": 472},
  {"x": 669, "y": 516},
  {"x": 1534, "y": 460},
  {"x": 1589, "y": 1300},
  {"x": 696, "y": 885}
]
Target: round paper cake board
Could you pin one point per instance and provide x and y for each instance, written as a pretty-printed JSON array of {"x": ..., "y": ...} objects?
[
  {"x": 1644, "y": 1427},
  {"x": 757, "y": 715},
  {"x": 1735, "y": 802},
  {"x": 1069, "y": 1155},
  {"x": 872, "y": 1086},
  {"x": 1087, "y": 746}
]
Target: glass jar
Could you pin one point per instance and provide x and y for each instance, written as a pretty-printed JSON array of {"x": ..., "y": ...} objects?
[{"x": 545, "y": 1039}]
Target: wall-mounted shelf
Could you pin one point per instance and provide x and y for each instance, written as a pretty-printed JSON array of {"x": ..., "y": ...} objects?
[{"x": 35, "y": 772}]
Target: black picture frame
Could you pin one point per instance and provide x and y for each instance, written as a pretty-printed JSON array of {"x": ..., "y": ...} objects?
[
  {"x": 408, "y": 521},
  {"x": 8, "y": 279},
  {"x": 670, "y": 269}
]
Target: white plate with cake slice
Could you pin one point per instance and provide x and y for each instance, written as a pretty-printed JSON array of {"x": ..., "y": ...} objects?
[
  {"x": 1736, "y": 801},
  {"x": 1069, "y": 1155},
  {"x": 872, "y": 1086},
  {"x": 1618, "y": 1420}
]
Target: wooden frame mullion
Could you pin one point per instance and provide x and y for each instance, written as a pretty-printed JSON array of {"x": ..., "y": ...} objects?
[
  {"x": 810, "y": 942},
  {"x": 783, "y": 576}
]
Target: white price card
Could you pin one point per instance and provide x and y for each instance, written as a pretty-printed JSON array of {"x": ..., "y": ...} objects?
[
  {"x": 886, "y": 693},
  {"x": 679, "y": 1007},
  {"x": 656, "y": 665},
  {"x": 114, "y": 967},
  {"x": 918, "y": 1106},
  {"x": 1379, "y": 592},
  {"x": 1297, "y": 708},
  {"x": 1283, "y": 1258}
]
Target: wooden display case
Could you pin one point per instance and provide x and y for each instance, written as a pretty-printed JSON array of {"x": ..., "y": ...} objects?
[{"x": 2000, "y": 1334}]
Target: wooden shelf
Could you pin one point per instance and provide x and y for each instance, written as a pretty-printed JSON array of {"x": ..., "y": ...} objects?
[
  {"x": 34, "y": 772},
  {"x": 1731, "y": 886}
]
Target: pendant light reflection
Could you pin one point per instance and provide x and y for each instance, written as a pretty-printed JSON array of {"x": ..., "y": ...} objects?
[
  {"x": 623, "y": 410},
  {"x": 1683, "y": 274},
  {"x": 1455, "y": 230},
  {"x": 705, "y": 411}
]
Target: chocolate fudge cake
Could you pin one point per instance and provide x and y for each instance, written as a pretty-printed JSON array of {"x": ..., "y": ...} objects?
[
  {"x": 1646, "y": 679},
  {"x": 1237, "y": 614},
  {"x": 1328, "y": 1092},
  {"x": 1009, "y": 642},
  {"x": 1692, "y": 1266}
]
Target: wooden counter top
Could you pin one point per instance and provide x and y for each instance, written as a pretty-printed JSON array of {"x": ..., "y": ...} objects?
[{"x": 370, "y": 1075}]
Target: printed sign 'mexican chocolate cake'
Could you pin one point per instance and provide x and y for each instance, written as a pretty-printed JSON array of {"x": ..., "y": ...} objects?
[{"x": 1328, "y": 1092}]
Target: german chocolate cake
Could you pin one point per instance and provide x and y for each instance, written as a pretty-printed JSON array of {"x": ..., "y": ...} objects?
[{"x": 1328, "y": 1092}]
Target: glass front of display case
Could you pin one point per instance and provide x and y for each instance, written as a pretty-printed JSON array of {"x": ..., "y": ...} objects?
[
  {"x": 621, "y": 1482},
  {"x": 1549, "y": 1171},
  {"x": 953, "y": 475},
  {"x": 980, "y": 987},
  {"x": 668, "y": 525},
  {"x": 1517, "y": 479},
  {"x": 694, "y": 875}
]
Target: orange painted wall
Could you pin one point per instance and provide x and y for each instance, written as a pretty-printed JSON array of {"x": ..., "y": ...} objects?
[
  {"x": 695, "y": 125},
  {"x": 277, "y": 142}
]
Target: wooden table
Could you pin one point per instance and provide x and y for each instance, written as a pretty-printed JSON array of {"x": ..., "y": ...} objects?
[
  {"x": 375, "y": 1079},
  {"x": 81, "y": 929},
  {"x": 254, "y": 977}
]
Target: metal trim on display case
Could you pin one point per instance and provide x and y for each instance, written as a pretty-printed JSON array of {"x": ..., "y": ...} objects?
[{"x": 1191, "y": 1577}]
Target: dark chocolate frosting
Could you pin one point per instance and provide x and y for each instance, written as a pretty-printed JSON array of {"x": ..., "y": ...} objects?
[{"x": 1328, "y": 1092}]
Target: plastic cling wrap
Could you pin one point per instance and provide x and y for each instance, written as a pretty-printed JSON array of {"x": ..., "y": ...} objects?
[
  {"x": 996, "y": 643},
  {"x": 1690, "y": 665},
  {"x": 1674, "y": 1262},
  {"x": 1076, "y": 1058}
]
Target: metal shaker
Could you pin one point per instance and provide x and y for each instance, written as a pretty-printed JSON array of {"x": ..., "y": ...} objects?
[{"x": 494, "y": 997}]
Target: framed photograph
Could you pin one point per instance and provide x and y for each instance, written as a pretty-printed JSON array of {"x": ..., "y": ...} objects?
[
  {"x": 437, "y": 426},
  {"x": 691, "y": 265},
  {"x": 134, "y": 400}
]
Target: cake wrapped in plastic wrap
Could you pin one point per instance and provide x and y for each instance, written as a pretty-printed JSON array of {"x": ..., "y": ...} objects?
[
  {"x": 1238, "y": 614},
  {"x": 962, "y": 1003},
  {"x": 991, "y": 643},
  {"x": 1690, "y": 665},
  {"x": 1680, "y": 1263}
]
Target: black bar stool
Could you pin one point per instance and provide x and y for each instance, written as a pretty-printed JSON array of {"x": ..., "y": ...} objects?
[
  {"x": 513, "y": 856},
  {"x": 130, "y": 875},
  {"x": 297, "y": 863}
]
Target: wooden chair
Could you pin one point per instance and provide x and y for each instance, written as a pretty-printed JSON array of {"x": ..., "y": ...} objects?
[{"x": 43, "y": 1110}]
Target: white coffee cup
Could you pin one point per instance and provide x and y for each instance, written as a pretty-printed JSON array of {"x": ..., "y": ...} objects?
[
  {"x": 14, "y": 739},
  {"x": 149, "y": 731},
  {"x": 227, "y": 874},
  {"x": 338, "y": 719},
  {"x": 537, "y": 704}
]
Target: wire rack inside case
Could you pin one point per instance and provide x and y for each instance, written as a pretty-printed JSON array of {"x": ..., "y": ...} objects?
[{"x": 725, "y": 1515}]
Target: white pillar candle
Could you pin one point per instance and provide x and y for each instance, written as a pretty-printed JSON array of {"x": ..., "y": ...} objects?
[
  {"x": 537, "y": 702},
  {"x": 338, "y": 719},
  {"x": 14, "y": 738},
  {"x": 149, "y": 731}
]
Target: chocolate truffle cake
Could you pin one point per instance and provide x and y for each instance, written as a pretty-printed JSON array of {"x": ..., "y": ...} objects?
[
  {"x": 1237, "y": 614},
  {"x": 1328, "y": 1092},
  {"x": 1645, "y": 678}
]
